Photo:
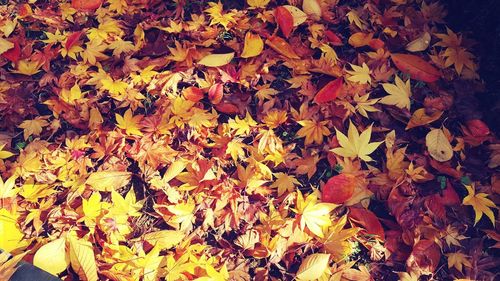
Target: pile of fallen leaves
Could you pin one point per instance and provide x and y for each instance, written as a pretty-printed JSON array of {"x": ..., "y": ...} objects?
[{"x": 239, "y": 140}]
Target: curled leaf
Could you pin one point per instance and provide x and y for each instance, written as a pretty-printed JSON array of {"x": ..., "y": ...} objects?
[
  {"x": 312, "y": 9},
  {"x": 420, "y": 118},
  {"x": 253, "y": 45},
  {"x": 282, "y": 47},
  {"x": 419, "y": 44}
]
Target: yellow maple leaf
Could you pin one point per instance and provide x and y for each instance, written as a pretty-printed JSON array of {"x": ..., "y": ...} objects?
[
  {"x": 114, "y": 87},
  {"x": 242, "y": 126},
  {"x": 480, "y": 203},
  {"x": 458, "y": 260},
  {"x": 72, "y": 95},
  {"x": 27, "y": 67},
  {"x": 183, "y": 218},
  {"x": 129, "y": 123},
  {"x": 360, "y": 74},
  {"x": 355, "y": 145},
  {"x": 94, "y": 52},
  {"x": 353, "y": 17},
  {"x": 127, "y": 206},
  {"x": 120, "y": 46},
  {"x": 364, "y": 104},
  {"x": 315, "y": 216},
  {"x": 7, "y": 188},
  {"x": 145, "y": 76},
  {"x": 235, "y": 149},
  {"x": 215, "y": 12},
  {"x": 284, "y": 182},
  {"x": 399, "y": 93},
  {"x": 105, "y": 30},
  {"x": 313, "y": 131},
  {"x": 34, "y": 126}
]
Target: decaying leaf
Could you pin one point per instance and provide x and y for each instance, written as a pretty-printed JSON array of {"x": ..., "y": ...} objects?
[{"x": 438, "y": 145}]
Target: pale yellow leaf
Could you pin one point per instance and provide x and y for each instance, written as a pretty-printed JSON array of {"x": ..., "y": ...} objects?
[
  {"x": 216, "y": 60},
  {"x": 298, "y": 15},
  {"x": 82, "y": 259},
  {"x": 419, "y": 44},
  {"x": 313, "y": 266},
  {"x": 399, "y": 93},
  {"x": 164, "y": 239},
  {"x": 5, "y": 45},
  {"x": 52, "y": 257},
  {"x": 438, "y": 145},
  {"x": 312, "y": 9},
  {"x": 108, "y": 180},
  {"x": 175, "y": 169}
]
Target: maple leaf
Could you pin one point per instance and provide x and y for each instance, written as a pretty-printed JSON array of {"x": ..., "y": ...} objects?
[
  {"x": 242, "y": 126},
  {"x": 34, "y": 126},
  {"x": 353, "y": 17},
  {"x": 458, "y": 260},
  {"x": 480, "y": 203},
  {"x": 459, "y": 57},
  {"x": 315, "y": 216},
  {"x": 215, "y": 12},
  {"x": 145, "y": 76},
  {"x": 7, "y": 188},
  {"x": 28, "y": 67},
  {"x": 94, "y": 52},
  {"x": 364, "y": 104},
  {"x": 360, "y": 74},
  {"x": 114, "y": 87},
  {"x": 235, "y": 149},
  {"x": 313, "y": 131},
  {"x": 399, "y": 93},
  {"x": 72, "y": 95},
  {"x": 284, "y": 182},
  {"x": 453, "y": 237},
  {"x": 119, "y": 46},
  {"x": 355, "y": 145},
  {"x": 183, "y": 215},
  {"x": 129, "y": 123}
]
